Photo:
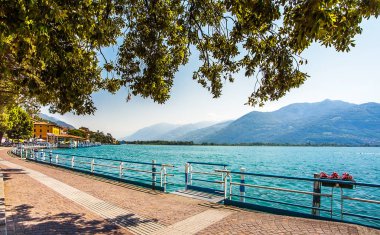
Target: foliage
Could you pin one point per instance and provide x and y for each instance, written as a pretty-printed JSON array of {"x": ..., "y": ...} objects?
[
  {"x": 97, "y": 136},
  {"x": 102, "y": 138},
  {"x": 21, "y": 125},
  {"x": 77, "y": 132},
  {"x": 48, "y": 48},
  {"x": 158, "y": 142},
  {"x": 262, "y": 38},
  {"x": 4, "y": 123}
]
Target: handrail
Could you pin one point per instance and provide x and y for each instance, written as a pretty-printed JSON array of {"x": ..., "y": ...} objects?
[
  {"x": 283, "y": 203},
  {"x": 87, "y": 164},
  {"x": 208, "y": 163},
  {"x": 108, "y": 159},
  {"x": 137, "y": 170},
  {"x": 283, "y": 189},
  {"x": 205, "y": 173},
  {"x": 209, "y": 181},
  {"x": 360, "y": 199},
  {"x": 105, "y": 165},
  {"x": 343, "y": 182}
]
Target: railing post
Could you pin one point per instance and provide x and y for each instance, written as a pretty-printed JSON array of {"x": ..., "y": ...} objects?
[
  {"x": 92, "y": 165},
  {"x": 242, "y": 186},
  {"x": 316, "y": 198},
  {"x": 154, "y": 170},
  {"x": 190, "y": 174},
  {"x": 121, "y": 169},
  {"x": 187, "y": 168},
  {"x": 72, "y": 162},
  {"x": 224, "y": 168},
  {"x": 50, "y": 156},
  {"x": 165, "y": 178},
  {"x": 225, "y": 186}
]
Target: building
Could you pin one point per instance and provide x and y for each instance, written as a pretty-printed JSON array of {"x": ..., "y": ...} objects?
[
  {"x": 41, "y": 130},
  {"x": 67, "y": 141},
  {"x": 58, "y": 137}
]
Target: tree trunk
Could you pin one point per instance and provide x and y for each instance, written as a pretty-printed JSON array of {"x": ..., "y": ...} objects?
[{"x": 1, "y": 136}]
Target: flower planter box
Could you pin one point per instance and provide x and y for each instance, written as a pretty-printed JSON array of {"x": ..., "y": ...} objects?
[{"x": 337, "y": 185}]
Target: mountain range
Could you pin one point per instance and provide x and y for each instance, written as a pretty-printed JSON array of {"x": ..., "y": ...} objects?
[
  {"x": 326, "y": 122},
  {"x": 55, "y": 120}
]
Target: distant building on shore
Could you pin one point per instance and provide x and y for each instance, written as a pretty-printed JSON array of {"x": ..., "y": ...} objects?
[
  {"x": 56, "y": 135},
  {"x": 41, "y": 130}
]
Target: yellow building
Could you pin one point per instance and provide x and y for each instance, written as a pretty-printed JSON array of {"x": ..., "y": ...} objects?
[{"x": 41, "y": 130}]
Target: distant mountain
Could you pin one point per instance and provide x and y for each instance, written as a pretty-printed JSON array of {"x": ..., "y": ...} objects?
[
  {"x": 55, "y": 120},
  {"x": 327, "y": 122},
  {"x": 153, "y": 132},
  {"x": 179, "y": 132},
  {"x": 200, "y": 135}
]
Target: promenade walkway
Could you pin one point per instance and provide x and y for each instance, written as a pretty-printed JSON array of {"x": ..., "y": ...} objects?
[{"x": 40, "y": 199}]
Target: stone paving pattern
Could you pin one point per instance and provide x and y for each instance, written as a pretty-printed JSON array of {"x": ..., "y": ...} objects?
[
  {"x": 32, "y": 208},
  {"x": 251, "y": 222},
  {"x": 165, "y": 208}
]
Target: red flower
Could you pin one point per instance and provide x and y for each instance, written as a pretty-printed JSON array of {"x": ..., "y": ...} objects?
[
  {"x": 334, "y": 175},
  {"x": 323, "y": 175},
  {"x": 347, "y": 176}
]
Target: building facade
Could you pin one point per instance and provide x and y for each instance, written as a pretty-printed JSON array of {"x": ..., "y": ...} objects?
[{"x": 41, "y": 130}]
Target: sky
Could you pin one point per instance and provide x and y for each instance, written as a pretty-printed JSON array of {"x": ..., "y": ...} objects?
[{"x": 352, "y": 77}]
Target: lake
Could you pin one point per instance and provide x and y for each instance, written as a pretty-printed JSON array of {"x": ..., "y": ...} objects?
[{"x": 361, "y": 162}]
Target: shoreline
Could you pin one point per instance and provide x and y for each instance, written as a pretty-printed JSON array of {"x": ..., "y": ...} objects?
[{"x": 184, "y": 143}]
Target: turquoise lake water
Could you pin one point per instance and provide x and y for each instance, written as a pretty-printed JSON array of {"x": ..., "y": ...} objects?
[{"x": 363, "y": 163}]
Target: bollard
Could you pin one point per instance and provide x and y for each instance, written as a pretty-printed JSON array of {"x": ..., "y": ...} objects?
[
  {"x": 242, "y": 186},
  {"x": 187, "y": 167},
  {"x": 121, "y": 169},
  {"x": 154, "y": 170},
  {"x": 316, "y": 198},
  {"x": 56, "y": 159}
]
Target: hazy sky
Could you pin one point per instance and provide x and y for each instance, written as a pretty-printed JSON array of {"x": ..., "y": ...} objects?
[{"x": 353, "y": 77}]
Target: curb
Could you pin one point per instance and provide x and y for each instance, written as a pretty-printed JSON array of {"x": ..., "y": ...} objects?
[{"x": 3, "y": 220}]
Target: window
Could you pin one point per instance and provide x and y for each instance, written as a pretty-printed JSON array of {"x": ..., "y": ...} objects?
[{"x": 40, "y": 130}]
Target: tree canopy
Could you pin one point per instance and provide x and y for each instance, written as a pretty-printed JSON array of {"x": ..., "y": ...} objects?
[
  {"x": 49, "y": 48},
  {"x": 20, "y": 124}
]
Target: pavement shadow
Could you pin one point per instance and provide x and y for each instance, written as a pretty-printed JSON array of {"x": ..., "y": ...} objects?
[
  {"x": 21, "y": 222},
  {"x": 130, "y": 220},
  {"x": 8, "y": 172}
]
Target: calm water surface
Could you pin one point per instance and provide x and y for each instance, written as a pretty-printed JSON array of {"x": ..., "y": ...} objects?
[{"x": 363, "y": 163}]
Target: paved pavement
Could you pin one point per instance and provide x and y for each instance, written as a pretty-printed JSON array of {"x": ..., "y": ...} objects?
[{"x": 45, "y": 200}]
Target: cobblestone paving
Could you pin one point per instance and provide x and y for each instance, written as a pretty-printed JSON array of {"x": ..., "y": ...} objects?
[
  {"x": 32, "y": 208},
  {"x": 41, "y": 211},
  {"x": 249, "y": 222},
  {"x": 165, "y": 208}
]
